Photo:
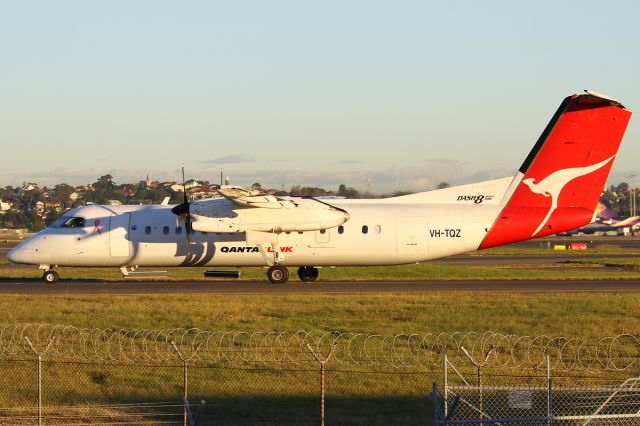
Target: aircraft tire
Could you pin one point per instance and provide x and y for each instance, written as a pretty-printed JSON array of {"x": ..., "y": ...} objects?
[
  {"x": 50, "y": 277},
  {"x": 278, "y": 274},
  {"x": 308, "y": 274}
]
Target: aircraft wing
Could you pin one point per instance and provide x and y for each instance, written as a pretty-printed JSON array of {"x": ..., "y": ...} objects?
[
  {"x": 244, "y": 197},
  {"x": 253, "y": 210}
]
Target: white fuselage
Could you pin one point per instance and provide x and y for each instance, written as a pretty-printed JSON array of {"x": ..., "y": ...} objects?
[{"x": 379, "y": 232}]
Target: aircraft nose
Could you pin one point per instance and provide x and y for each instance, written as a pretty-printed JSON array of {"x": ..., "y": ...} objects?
[{"x": 22, "y": 253}]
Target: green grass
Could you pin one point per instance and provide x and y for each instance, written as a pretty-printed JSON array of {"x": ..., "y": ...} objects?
[
  {"x": 572, "y": 314},
  {"x": 547, "y": 247}
]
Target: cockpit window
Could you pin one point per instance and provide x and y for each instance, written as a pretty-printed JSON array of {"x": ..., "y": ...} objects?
[{"x": 69, "y": 222}]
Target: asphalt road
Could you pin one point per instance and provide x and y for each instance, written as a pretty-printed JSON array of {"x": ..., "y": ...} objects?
[{"x": 263, "y": 287}]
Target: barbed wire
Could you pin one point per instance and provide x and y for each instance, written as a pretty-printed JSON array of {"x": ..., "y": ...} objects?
[{"x": 619, "y": 352}]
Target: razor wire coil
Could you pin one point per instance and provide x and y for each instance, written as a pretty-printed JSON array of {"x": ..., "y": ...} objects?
[{"x": 610, "y": 353}]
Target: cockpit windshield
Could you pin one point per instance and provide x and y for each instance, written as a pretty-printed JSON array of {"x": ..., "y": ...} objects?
[{"x": 69, "y": 222}]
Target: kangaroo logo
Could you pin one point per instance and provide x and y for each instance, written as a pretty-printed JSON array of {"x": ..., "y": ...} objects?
[{"x": 552, "y": 185}]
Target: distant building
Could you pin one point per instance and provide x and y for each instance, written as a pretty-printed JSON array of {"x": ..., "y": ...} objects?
[
  {"x": 56, "y": 205},
  {"x": 204, "y": 191},
  {"x": 29, "y": 186},
  {"x": 12, "y": 233},
  {"x": 190, "y": 184},
  {"x": 5, "y": 206}
]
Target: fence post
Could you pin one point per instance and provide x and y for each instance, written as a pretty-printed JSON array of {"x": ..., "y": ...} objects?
[
  {"x": 549, "y": 390},
  {"x": 434, "y": 402},
  {"x": 322, "y": 362},
  {"x": 446, "y": 386},
  {"x": 39, "y": 354},
  {"x": 185, "y": 378},
  {"x": 479, "y": 366}
]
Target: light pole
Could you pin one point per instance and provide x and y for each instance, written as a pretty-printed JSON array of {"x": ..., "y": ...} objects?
[{"x": 632, "y": 197}]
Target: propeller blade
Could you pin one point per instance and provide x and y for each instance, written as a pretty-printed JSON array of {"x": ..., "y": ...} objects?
[
  {"x": 184, "y": 188},
  {"x": 182, "y": 210}
]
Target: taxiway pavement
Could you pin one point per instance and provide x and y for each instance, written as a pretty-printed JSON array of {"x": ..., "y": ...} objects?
[{"x": 32, "y": 287}]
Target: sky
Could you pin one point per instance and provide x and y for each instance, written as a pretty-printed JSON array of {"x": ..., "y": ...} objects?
[{"x": 404, "y": 94}]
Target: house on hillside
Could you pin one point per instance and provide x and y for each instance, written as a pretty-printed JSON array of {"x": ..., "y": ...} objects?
[
  {"x": 5, "y": 206},
  {"x": 204, "y": 191},
  {"x": 76, "y": 195}
]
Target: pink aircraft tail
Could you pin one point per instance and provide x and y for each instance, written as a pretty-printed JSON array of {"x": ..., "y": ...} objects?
[
  {"x": 605, "y": 212},
  {"x": 563, "y": 176}
]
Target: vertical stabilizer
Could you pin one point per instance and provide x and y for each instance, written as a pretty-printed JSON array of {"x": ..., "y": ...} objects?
[{"x": 565, "y": 172}]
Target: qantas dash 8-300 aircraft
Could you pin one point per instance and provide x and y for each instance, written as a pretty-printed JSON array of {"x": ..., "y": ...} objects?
[{"x": 555, "y": 190}]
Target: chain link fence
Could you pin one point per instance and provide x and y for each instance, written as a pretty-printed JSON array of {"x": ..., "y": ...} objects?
[
  {"x": 53, "y": 374},
  {"x": 110, "y": 393},
  {"x": 476, "y": 393}
]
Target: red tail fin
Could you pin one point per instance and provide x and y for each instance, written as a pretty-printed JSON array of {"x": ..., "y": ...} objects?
[{"x": 563, "y": 176}]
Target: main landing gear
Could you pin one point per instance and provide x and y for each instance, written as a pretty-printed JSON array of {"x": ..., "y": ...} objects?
[
  {"x": 279, "y": 274},
  {"x": 308, "y": 274},
  {"x": 50, "y": 276}
]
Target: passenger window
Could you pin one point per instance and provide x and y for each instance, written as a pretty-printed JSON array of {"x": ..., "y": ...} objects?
[
  {"x": 377, "y": 229},
  {"x": 134, "y": 227},
  {"x": 323, "y": 231},
  {"x": 165, "y": 230},
  {"x": 178, "y": 230},
  {"x": 147, "y": 230},
  {"x": 340, "y": 229},
  {"x": 365, "y": 229}
]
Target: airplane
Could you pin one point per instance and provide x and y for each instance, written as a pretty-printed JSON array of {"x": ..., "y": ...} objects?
[
  {"x": 607, "y": 220},
  {"x": 555, "y": 190}
]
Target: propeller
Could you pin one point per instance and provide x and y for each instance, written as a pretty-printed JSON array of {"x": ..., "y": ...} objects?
[{"x": 182, "y": 209}]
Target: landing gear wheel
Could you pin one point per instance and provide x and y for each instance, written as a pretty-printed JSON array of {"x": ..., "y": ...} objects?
[
  {"x": 308, "y": 274},
  {"x": 278, "y": 274},
  {"x": 50, "y": 277}
]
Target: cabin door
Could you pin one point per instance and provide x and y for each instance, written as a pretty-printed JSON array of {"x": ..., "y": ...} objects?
[
  {"x": 412, "y": 235},
  {"x": 119, "y": 244}
]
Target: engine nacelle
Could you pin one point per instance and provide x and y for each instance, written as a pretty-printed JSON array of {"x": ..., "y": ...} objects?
[{"x": 299, "y": 215}]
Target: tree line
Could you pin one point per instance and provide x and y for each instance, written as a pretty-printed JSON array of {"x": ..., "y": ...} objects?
[{"x": 105, "y": 189}]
